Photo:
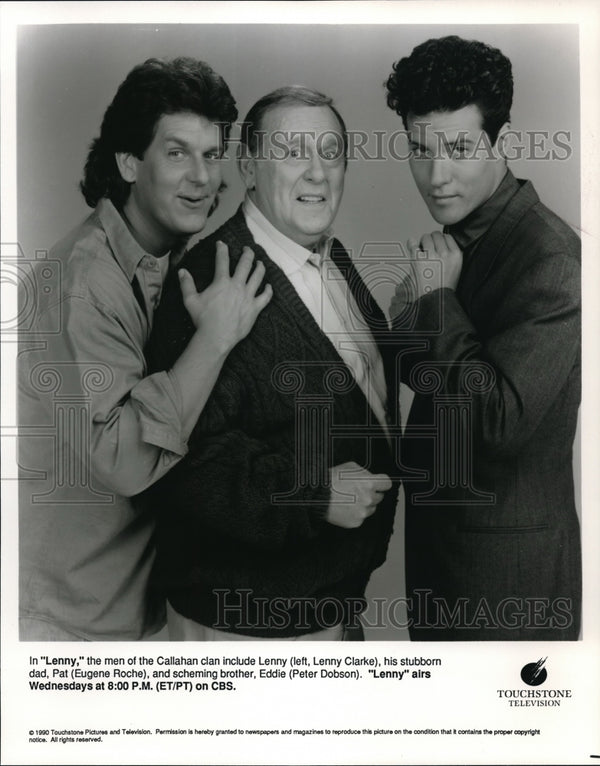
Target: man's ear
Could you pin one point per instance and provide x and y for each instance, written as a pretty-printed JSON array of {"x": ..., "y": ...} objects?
[
  {"x": 128, "y": 166},
  {"x": 247, "y": 166}
]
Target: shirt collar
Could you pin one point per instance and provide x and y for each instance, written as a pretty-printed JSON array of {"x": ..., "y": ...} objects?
[
  {"x": 474, "y": 226},
  {"x": 127, "y": 250},
  {"x": 291, "y": 255}
]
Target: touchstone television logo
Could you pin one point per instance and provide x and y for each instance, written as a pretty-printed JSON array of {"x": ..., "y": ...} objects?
[{"x": 534, "y": 673}]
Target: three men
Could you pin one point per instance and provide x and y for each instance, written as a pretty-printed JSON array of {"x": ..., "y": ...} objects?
[
  {"x": 493, "y": 355},
  {"x": 95, "y": 428},
  {"x": 272, "y": 524}
]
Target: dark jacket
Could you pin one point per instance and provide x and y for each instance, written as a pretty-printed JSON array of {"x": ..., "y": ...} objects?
[
  {"x": 241, "y": 522},
  {"x": 492, "y": 534}
]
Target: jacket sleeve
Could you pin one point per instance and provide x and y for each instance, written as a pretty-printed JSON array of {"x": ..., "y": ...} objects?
[
  {"x": 514, "y": 375},
  {"x": 230, "y": 478}
]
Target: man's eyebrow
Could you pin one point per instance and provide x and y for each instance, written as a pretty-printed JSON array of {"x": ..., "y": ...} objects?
[
  {"x": 175, "y": 138},
  {"x": 331, "y": 142},
  {"x": 293, "y": 136},
  {"x": 460, "y": 139},
  {"x": 329, "y": 135}
]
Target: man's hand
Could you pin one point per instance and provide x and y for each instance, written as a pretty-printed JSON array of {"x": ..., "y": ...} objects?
[
  {"x": 424, "y": 277},
  {"x": 226, "y": 311},
  {"x": 366, "y": 491}
]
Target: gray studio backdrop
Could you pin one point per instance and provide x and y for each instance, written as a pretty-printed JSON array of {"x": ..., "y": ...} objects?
[{"x": 67, "y": 75}]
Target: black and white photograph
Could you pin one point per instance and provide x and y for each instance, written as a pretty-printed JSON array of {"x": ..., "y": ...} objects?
[{"x": 299, "y": 348}]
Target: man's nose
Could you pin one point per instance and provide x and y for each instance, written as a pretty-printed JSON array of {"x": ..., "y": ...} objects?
[
  {"x": 440, "y": 171},
  {"x": 198, "y": 171},
  {"x": 315, "y": 171}
]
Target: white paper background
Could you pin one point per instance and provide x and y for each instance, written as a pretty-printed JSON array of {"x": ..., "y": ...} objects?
[{"x": 463, "y": 692}]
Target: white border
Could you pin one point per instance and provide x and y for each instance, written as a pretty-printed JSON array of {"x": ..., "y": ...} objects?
[{"x": 574, "y": 659}]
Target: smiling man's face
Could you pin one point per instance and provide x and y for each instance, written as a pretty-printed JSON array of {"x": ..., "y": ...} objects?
[
  {"x": 297, "y": 179},
  {"x": 455, "y": 168},
  {"x": 174, "y": 185}
]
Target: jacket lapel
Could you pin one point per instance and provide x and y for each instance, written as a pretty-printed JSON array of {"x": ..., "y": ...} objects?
[
  {"x": 376, "y": 321},
  {"x": 488, "y": 249},
  {"x": 368, "y": 306}
]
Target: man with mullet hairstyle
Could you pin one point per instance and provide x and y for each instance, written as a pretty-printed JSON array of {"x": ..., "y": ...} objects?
[{"x": 152, "y": 178}]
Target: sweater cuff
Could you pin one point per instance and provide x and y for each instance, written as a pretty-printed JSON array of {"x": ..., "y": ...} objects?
[{"x": 319, "y": 502}]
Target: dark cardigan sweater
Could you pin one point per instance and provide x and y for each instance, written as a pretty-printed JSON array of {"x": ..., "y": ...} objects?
[{"x": 224, "y": 538}]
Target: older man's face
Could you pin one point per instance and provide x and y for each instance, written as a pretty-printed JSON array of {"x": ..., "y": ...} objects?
[{"x": 298, "y": 176}]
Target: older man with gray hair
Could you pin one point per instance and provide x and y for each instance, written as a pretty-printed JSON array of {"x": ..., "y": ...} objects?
[{"x": 284, "y": 504}]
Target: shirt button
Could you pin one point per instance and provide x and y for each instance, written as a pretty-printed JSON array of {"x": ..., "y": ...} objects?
[{"x": 150, "y": 263}]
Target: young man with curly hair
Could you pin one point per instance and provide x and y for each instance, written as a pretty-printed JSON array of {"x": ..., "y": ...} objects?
[{"x": 492, "y": 351}]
